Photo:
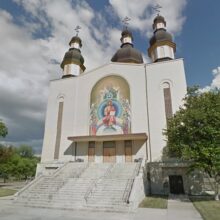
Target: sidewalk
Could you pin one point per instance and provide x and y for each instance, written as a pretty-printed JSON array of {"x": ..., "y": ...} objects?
[{"x": 179, "y": 208}]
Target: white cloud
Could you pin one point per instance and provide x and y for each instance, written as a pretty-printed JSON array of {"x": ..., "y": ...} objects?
[
  {"x": 216, "y": 80},
  {"x": 32, "y": 47},
  {"x": 141, "y": 14}
]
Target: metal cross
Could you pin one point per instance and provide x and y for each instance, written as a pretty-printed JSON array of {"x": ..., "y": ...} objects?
[
  {"x": 157, "y": 8},
  {"x": 77, "y": 29},
  {"x": 125, "y": 21}
]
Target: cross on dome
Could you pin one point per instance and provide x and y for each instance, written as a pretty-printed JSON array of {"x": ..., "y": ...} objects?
[
  {"x": 125, "y": 21},
  {"x": 77, "y": 29},
  {"x": 157, "y": 8}
]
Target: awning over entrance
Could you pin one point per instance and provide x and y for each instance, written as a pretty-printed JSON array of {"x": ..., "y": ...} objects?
[{"x": 115, "y": 137}]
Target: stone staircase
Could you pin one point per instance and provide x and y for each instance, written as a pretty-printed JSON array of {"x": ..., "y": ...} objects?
[
  {"x": 111, "y": 192},
  {"x": 102, "y": 186}
]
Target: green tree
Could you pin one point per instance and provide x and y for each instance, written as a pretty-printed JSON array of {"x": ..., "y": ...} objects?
[
  {"x": 3, "y": 129},
  {"x": 25, "y": 151},
  {"x": 19, "y": 163},
  {"x": 5, "y": 155},
  {"x": 194, "y": 133}
]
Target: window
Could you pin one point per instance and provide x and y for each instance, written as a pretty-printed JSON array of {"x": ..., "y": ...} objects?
[
  {"x": 167, "y": 100},
  {"x": 59, "y": 130}
]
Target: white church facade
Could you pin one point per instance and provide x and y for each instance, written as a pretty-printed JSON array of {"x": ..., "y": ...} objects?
[
  {"x": 116, "y": 112},
  {"x": 103, "y": 137}
]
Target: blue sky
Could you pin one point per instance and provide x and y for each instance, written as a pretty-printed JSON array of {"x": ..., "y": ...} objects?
[{"x": 34, "y": 36}]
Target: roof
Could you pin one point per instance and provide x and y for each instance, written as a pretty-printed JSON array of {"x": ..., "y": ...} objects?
[
  {"x": 127, "y": 54},
  {"x": 114, "y": 137}
]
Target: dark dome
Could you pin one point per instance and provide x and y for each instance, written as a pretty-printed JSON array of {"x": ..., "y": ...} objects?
[
  {"x": 159, "y": 18},
  {"x": 76, "y": 39},
  {"x": 160, "y": 35},
  {"x": 126, "y": 32},
  {"x": 72, "y": 56},
  {"x": 127, "y": 54}
]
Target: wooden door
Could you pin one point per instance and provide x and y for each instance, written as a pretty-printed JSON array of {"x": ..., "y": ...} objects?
[
  {"x": 128, "y": 154},
  {"x": 109, "y": 155},
  {"x": 91, "y": 154}
]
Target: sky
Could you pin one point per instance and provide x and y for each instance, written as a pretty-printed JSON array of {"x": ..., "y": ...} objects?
[{"x": 34, "y": 36}]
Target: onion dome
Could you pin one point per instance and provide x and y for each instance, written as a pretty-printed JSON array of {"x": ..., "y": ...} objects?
[
  {"x": 127, "y": 53},
  {"x": 159, "y": 19},
  {"x": 160, "y": 35},
  {"x": 73, "y": 61},
  {"x": 75, "y": 39},
  {"x": 162, "y": 46}
]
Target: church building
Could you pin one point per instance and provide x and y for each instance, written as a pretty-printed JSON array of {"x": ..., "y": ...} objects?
[
  {"x": 103, "y": 137},
  {"x": 117, "y": 112}
]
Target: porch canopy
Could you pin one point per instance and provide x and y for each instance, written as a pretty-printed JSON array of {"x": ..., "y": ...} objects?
[{"x": 114, "y": 137}]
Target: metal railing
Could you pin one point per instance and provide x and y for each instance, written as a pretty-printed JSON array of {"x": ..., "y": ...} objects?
[
  {"x": 94, "y": 184},
  {"x": 130, "y": 183}
]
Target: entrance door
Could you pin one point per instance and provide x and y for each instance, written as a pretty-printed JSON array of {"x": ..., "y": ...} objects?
[
  {"x": 128, "y": 151},
  {"x": 91, "y": 155},
  {"x": 109, "y": 152},
  {"x": 91, "y": 152},
  {"x": 176, "y": 184}
]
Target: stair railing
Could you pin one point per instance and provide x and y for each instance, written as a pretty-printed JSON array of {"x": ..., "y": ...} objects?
[
  {"x": 81, "y": 171},
  {"x": 36, "y": 180},
  {"x": 57, "y": 172},
  {"x": 109, "y": 170},
  {"x": 211, "y": 183},
  {"x": 130, "y": 183},
  {"x": 94, "y": 184},
  {"x": 90, "y": 189}
]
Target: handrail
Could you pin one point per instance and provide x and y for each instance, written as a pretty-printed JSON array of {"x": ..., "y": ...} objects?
[
  {"x": 90, "y": 189},
  {"x": 29, "y": 185},
  {"x": 94, "y": 184},
  {"x": 210, "y": 182},
  {"x": 130, "y": 183},
  {"x": 82, "y": 170},
  {"x": 37, "y": 179},
  {"x": 60, "y": 169},
  {"x": 110, "y": 168}
]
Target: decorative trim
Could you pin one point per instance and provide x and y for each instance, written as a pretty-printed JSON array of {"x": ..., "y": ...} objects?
[{"x": 161, "y": 43}]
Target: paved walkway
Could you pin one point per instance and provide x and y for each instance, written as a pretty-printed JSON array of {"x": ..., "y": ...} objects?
[{"x": 179, "y": 208}]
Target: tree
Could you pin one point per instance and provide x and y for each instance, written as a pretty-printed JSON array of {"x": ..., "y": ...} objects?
[
  {"x": 25, "y": 151},
  {"x": 194, "y": 133},
  {"x": 19, "y": 163},
  {"x": 3, "y": 129},
  {"x": 5, "y": 155}
]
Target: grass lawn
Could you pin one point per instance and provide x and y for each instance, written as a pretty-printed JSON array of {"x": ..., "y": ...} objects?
[
  {"x": 6, "y": 192},
  {"x": 209, "y": 209},
  {"x": 157, "y": 202}
]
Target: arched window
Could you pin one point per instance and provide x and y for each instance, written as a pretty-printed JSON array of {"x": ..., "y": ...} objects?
[{"x": 167, "y": 100}]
